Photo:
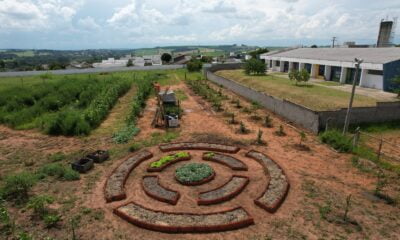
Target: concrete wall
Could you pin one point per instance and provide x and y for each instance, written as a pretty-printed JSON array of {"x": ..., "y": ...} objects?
[
  {"x": 302, "y": 116},
  {"x": 372, "y": 81},
  {"x": 292, "y": 112}
]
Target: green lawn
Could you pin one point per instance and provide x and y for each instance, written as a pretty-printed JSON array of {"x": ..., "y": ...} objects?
[{"x": 312, "y": 96}]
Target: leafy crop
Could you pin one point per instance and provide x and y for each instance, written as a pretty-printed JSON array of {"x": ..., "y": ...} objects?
[
  {"x": 193, "y": 172},
  {"x": 169, "y": 158}
]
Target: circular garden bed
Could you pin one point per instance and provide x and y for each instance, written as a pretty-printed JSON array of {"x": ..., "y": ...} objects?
[{"x": 194, "y": 174}]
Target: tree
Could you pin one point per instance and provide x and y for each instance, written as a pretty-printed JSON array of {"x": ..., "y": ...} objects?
[
  {"x": 194, "y": 65},
  {"x": 396, "y": 83},
  {"x": 2, "y": 64},
  {"x": 129, "y": 63},
  {"x": 314, "y": 46},
  {"x": 206, "y": 59},
  {"x": 255, "y": 66},
  {"x": 256, "y": 53},
  {"x": 299, "y": 76},
  {"x": 166, "y": 57}
]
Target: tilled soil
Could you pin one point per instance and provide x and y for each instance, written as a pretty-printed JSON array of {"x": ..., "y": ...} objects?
[
  {"x": 152, "y": 185},
  {"x": 228, "y": 189},
  {"x": 180, "y": 219},
  {"x": 278, "y": 184},
  {"x": 229, "y": 161}
]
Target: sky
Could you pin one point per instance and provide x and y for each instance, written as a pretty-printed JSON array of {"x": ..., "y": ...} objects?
[{"x": 94, "y": 24}]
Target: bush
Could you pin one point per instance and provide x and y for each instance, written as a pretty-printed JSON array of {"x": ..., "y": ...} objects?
[
  {"x": 59, "y": 171},
  {"x": 169, "y": 158},
  {"x": 16, "y": 187},
  {"x": 39, "y": 204},
  {"x": 255, "y": 66},
  {"x": 51, "y": 220},
  {"x": 194, "y": 65},
  {"x": 337, "y": 140},
  {"x": 166, "y": 57}
]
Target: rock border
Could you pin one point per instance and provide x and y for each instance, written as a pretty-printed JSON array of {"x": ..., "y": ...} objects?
[
  {"x": 200, "y": 228},
  {"x": 198, "y": 183},
  {"x": 276, "y": 178},
  {"x": 160, "y": 169},
  {"x": 226, "y": 197},
  {"x": 216, "y": 159},
  {"x": 115, "y": 184},
  {"x": 198, "y": 146},
  {"x": 148, "y": 192}
]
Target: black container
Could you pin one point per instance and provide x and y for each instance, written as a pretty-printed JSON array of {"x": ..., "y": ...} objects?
[
  {"x": 83, "y": 165},
  {"x": 99, "y": 156}
]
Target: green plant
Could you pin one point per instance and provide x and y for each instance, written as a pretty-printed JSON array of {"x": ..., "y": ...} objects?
[
  {"x": 209, "y": 154},
  {"x": 380, "y": 183},
  {"x": 325, "y": 210},
  {"x": 259, "y": 140},
  {"x": 57, "y": 157},
  {"x": 39, "y": 204},
  {"x": 347, "y": 208},
  {"x": 193, "y": 172},
  {"x": 255, "y": 66},
  {"x": 166, "y": 159},
  {"x": 243, "y": 129},
  {"x": 135, "y": 147},
  {"x": 24, "y": 236},
  {"x": 194, "y": 65},
  {"x": 337, "y": 140},
  {"x": 281, "y": 131},
  {"x": 303, "y": 137},
  {"x": 16, "y": 187},
  {"x": 51, "y": 220},
  {"x": 59, "y": 171},
  {"x": 268, "y": 122}
]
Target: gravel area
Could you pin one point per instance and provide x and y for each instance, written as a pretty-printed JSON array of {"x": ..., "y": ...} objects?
[
  {"x": 114, "y": 189},
  {"x": 226, "y": 192},
  {"x": 199, "y": 146},
  {"x": 141, "y": 214},
  {"x": 152, "y": 187},
  {"x": 229, "y": 161},
  {"x": 278, "y": 185}
]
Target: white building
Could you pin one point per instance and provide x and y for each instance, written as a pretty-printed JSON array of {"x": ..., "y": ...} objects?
[
  {"x": 380, "y": 65},
  {"x": 149, "y": 60},
  {"x": 111, "y": 62}
]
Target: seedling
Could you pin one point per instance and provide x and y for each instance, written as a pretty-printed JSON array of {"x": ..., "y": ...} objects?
[
  {"x": 243, "y": 129},
  {"x": 380, "y": 184},
  {"x": 281, "y": 132},
  {"x": 347, "y": 208},
  {"x": 237, "y": 103},
  {"x": 232, "y": 121},
  {"x": 259, "y": 140},
  {"x": 268, "y": 122},
  {"x": 303, "y": 137}
]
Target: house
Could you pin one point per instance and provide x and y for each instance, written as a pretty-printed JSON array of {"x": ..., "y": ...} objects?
[
  {"x": 380, "y": 65},
  {"x": 111, "y": 62}
]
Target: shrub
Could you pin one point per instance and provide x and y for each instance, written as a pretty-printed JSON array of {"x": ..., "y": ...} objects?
[
  {"x": 255, "y": 66},
  {"x": 16, "y": 187},
  {"x": 59, "y": 171},
  {"x": 194, "y": 65},
  {"x": 169, "y": 158},
  {"x": 166, "y": 57},
  {"x": 39, "y": 204},
  {"x": 337, "y": 140},
  {"x": 280, "y": 132},
  {"x": 51, "y": 220},
  {"x": 268, "y": 122}
]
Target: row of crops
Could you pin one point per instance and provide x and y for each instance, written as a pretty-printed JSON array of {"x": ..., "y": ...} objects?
[{"x": 71, "y": 106}]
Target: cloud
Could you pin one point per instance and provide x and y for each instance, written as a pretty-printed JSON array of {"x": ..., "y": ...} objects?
[{"x": 88, "y": 23}]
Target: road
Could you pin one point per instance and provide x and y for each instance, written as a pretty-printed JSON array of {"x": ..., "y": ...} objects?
[{"x": 89, "y": 70}]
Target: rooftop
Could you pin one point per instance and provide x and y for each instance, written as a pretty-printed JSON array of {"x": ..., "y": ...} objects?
[{"x": 369, "y": 55}]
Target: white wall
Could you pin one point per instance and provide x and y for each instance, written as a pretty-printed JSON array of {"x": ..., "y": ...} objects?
[{"x": 373, "y": 81}]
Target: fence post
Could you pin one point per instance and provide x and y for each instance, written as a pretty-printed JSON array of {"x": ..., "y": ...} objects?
[
  {"x": 327, "y": 124},
  {"x": 356, "y": 137},
  {"x": 380, "y": 149}
]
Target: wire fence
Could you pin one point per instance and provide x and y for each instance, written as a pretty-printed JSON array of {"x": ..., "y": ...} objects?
[{"x": 382, "y": 147}]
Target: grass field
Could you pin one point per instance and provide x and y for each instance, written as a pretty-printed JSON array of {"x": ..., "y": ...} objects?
[{"x": 315, "y": 97}]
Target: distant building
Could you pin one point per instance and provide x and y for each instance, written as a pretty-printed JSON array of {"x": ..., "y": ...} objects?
[
  {"x": 386, "y": 33},
  {"x": 380, "y": 65},
  {"x": 150, "y": 60}
]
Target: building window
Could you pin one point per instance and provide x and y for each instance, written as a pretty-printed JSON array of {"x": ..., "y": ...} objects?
[
  {"x": 375, "y": 72},
  {"x": 277, "y": 63}
]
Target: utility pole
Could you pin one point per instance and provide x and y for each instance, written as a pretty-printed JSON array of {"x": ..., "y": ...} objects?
[
  {"x": 333, "y": 42},
  {"x": 353, "y": 91}
]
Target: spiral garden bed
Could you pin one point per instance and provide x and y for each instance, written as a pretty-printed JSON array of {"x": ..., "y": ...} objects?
[
  {"x": 224, "y": 193},
  {"x": 152, "y": 187},
  {"x": 184, "y": 222},
  {"x": 226, "y": 160},
  {"x": 193, "y": 174}
]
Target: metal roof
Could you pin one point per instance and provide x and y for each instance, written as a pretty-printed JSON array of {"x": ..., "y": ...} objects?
[{"x": 369, "y": 55}]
